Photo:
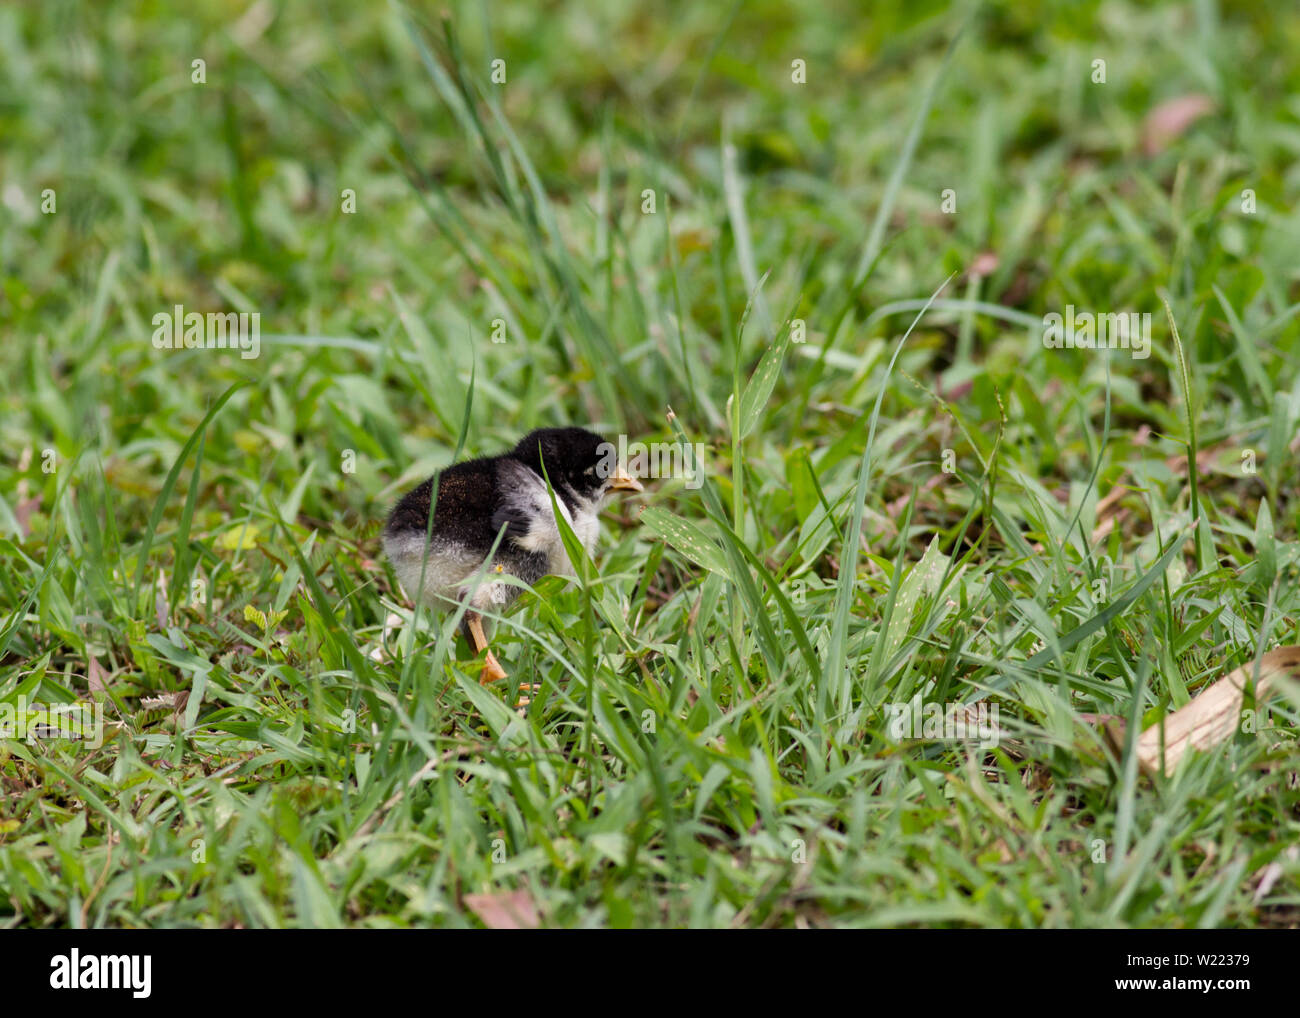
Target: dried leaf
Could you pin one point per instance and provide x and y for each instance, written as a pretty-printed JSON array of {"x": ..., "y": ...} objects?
[
  {"x": 23, "y": 512},
  {"x": 1170, "y": 119},
  {"x": 95, "y": 676},
  {"x": 506, "y": 910},
  {"x": 175, "y": 702},
  {"x": 1269, "y": 874},
  {"x": 1214, "y": 713},
  {"x": 985, "y": 264}
]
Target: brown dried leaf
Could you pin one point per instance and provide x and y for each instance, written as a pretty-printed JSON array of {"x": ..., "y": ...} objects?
[
  {"x": 1170, "y": 119},
  {"x": 174, "y": 701},
  {"x": 95, "y": 676},
  {"x": 505, "y": 910},
  {"x": 23, "y": 512},
  {"x": 1213, "y": 714},
  {"x": 985, "y": 264},
  {"x": 1269, "y": 875}
]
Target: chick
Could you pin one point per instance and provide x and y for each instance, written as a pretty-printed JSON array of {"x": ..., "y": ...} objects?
[{"x": 478, "y": 499}]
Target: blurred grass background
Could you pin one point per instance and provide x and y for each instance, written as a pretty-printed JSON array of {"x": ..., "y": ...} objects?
[{"x": 235, "y": 563}]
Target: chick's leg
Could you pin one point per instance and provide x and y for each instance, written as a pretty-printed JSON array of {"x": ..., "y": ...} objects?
[{"x": 492, "y": 670}]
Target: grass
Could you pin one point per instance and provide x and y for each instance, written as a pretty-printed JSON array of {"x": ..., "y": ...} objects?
[{"x": 907, "y": 498}]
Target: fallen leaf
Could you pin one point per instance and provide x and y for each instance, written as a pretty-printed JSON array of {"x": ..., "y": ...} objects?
[
  {"x": 1170, "y": 119},
  {"x": 175, "y": 701},
  {"x": 23, "y": 512},
  {"x": 1269, "y": 874},
  {"x": 1212, "y": 715},
  {"x": 95, "y": 676},
  {"x": 506, "y": 910},
  {"x": 985, "y": 263}
]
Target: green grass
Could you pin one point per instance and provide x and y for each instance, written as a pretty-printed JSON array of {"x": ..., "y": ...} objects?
[{"x": 189, "y": 539}]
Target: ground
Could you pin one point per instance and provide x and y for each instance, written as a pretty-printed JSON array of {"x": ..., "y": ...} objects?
[{"x": 712, "y": 224}]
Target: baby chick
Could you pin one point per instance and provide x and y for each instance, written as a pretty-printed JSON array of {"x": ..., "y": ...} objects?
[{"x": 477, "y": 499}]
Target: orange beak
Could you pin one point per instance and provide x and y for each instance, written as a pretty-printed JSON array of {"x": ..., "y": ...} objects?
[{"x": 621, "y": 480}]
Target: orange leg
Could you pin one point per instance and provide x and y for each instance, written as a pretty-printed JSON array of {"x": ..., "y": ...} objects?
[{"x": 492, "y": 670}]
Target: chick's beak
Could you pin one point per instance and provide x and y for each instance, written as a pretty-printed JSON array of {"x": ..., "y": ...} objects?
[{"x": 621, "y": 480}]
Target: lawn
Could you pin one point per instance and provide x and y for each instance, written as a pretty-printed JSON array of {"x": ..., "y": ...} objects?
[{"x": 881, "y": 657}]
